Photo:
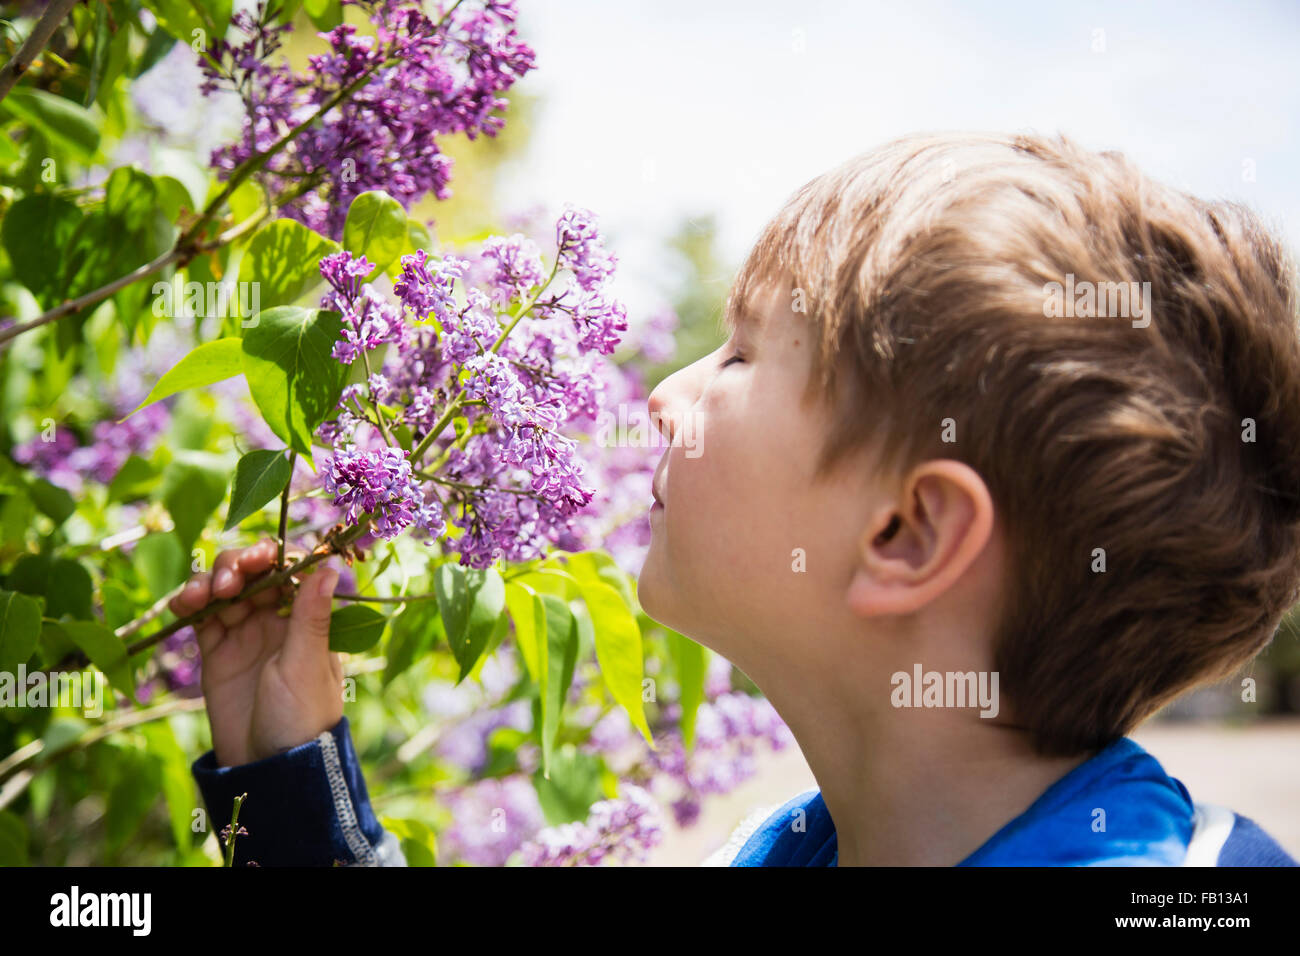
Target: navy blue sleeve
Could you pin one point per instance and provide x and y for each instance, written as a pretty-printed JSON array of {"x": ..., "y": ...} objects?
[{"x": 307, "y": 806}]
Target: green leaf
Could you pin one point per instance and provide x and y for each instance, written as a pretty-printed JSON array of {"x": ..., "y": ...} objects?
[
  {"x": 573, "y": 786},
  {"x": 104, "y": 649},
  {"x": 259, "y": 477},
  {"x": 135, "y": 479},
  {"x": 30, "y": 574},
  {"x": 66, "y": 125},
  {"x": 20, "y": 628},
  {"x": 618, "y": 650},
  {"x": 118, "y": 606},
  {"x": 63, "y": 583},
  {"x": 691, "y": 662},
  {"x": 35, "y": 231},
  {"x": 181, "y": 18},
  {"x": 356, "y": 628},
  {"x": 129, "y": 230},
  {"x": 325, "y": 14},
  {"x": 552, "y": 581},
  {"x": 375, "y": 228},
  {"x": 137, "y": 780},
  {"x": 599, "y": 566},
  {"x": 100, "y": 53},
  {"x": 413, "y": 633},
  {"x": 13, "y": 840},
  {"x": 177, "y": 781},
  {"x": 417, "y": 238},
  {"x": 69, "y": 590},
  {"x": 294, "y": 379},
  {"x": 419, "y": 842},
  {"x": 16, "y": 516},
  {"x": 187, "y": 171},
  {"x": 499, "y": 631},
  {"x": 211, "y": 362},
  {"x": 161, "y": 562},
  {"x": 283, "y": 258},
  {"x": 470, "y": 602},
  {"x": 160, "y": 44},
  {"x": 51, "y": 500},
  {"x": 284, "y": 12},
  {"x": 561, "y": 657},
  {"x": 529, "y": 615},
  {"x": 193, "y": 487}
]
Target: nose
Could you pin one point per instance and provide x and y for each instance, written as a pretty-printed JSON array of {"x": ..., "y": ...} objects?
[{"x": 673, "y": 397}]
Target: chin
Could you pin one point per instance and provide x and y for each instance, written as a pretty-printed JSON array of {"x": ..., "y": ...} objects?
[
  {"x": 649, "y": 588},
  {"x": 654, "y": 591}
]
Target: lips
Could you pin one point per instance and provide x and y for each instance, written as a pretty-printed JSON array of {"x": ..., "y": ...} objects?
[{"x": 654, "y": 487}]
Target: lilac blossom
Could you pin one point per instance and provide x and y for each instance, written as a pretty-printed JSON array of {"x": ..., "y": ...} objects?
[
  {"x": 179, "y": 666},
  {"x": 582, "y": 250},
  {"x": 381, "y": 482},
  {"x": 516, "y": 267},
  {"x": 429, "y": 293},
  {"x": 415, "y": 81},
  {"x": 729, "y": 732},
  {"x": 491, "y": 819},
  {"x": 621, "y": 830}
]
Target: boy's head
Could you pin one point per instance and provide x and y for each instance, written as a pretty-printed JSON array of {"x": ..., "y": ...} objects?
[{"x": 992, "y": 402}]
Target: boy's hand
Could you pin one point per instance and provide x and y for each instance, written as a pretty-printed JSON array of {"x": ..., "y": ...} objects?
[{"x": 270, "y": 681}]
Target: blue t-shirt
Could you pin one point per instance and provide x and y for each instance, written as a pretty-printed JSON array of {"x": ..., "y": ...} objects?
[{"x": 1119, "y": 808}]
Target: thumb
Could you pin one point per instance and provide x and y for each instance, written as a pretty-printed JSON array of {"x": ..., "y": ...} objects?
[{"x": 306, "y": 646}]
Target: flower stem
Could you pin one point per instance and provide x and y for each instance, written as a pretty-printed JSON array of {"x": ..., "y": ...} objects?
[
  {"x": 334, "y": 543},
  {"x": 284, "y": 510},
  {"x": 175, "y": 255},
  {"x": 396, "y": 599},
  {"x": 374, "y": 402},
  {"x": 234, "y": 829}
]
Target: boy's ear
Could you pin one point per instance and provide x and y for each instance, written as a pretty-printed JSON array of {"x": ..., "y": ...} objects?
[{"x": 916, "y": 548}]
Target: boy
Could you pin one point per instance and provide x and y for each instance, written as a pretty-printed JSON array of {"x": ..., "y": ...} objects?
[{"x": 1000, "y": 457}]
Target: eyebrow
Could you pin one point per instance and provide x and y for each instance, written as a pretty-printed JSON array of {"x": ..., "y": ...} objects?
[{"x": 739, "y": 316}]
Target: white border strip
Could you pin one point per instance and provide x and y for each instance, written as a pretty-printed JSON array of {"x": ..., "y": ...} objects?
[
  {"x": 356, "y": 840},
  {"x": 1213, "y": 826}
]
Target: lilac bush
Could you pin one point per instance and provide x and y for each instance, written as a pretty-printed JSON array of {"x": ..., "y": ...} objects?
[{"x": 393, "y": 384}]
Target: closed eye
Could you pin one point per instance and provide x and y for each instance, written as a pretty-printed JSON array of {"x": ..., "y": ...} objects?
[{"x": 734, "y": 358}]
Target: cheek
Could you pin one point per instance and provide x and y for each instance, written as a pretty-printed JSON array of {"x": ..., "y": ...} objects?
[{"x": 728, "y": 502}]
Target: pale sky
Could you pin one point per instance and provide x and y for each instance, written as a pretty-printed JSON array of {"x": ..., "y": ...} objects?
[{"x": 653, "y": 111}]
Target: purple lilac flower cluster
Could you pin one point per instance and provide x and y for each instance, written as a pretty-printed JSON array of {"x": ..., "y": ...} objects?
[
  {"x": 179, "y": 666},
  {"x": 415, "y": 80},
  {"x": 625, "y": 830},
  {"x": 63, "y": 461},
  {"x": 731, "y": 730},
  {"x": 381, "y": 482},
  {"x": 490, "y": 820},
  {"x": 517, "y": 383},
  {"x": 728, "y": 732}
]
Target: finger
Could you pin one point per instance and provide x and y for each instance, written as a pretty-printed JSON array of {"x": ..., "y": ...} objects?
[
  {"x": 209, "y": 634},
  {"x": 193, "y": 596},
  {"x": 267, "y": 597},
  {"x": 256, "y": 558},
  {"x": 226, "y": 579},
  {"x": 306, "y": 646},
  {"x": 235, "y": 614}
]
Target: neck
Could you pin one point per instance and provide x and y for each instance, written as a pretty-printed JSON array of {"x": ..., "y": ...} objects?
[{"x": 910, "y": 787}]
